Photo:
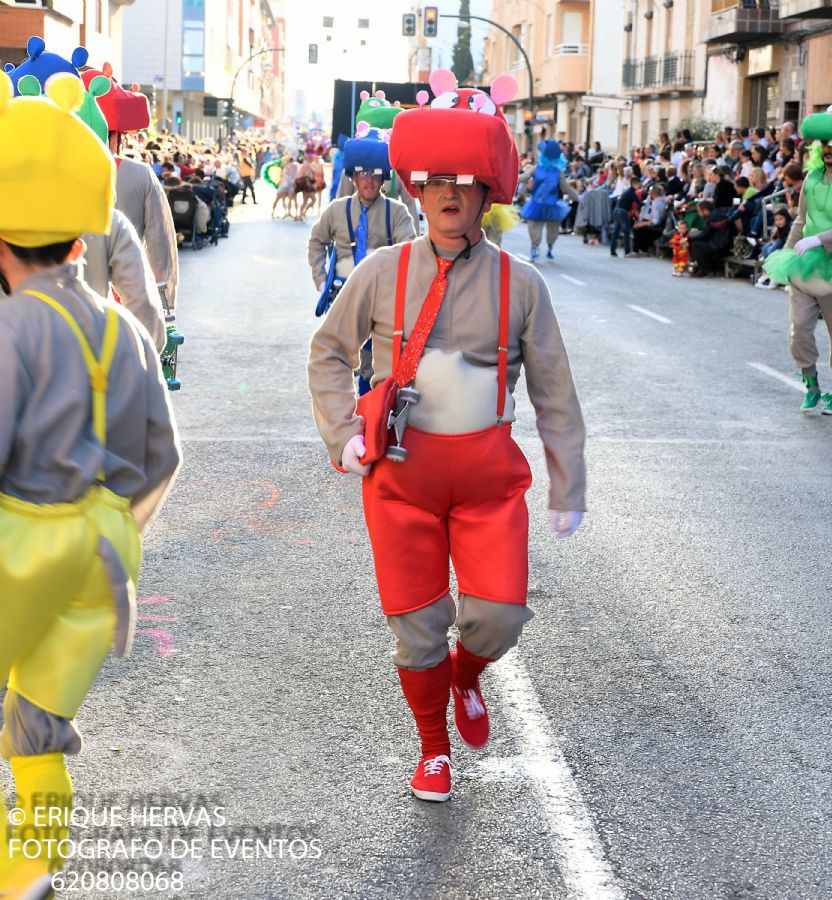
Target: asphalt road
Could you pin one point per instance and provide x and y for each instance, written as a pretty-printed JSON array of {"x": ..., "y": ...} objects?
[{"x": 673, "y": 687}]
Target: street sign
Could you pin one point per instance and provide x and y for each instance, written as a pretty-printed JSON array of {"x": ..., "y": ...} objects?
[{"x": 606, "y": 102}]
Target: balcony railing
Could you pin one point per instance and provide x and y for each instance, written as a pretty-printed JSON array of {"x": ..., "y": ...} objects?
[
  {"x": 733, "y": 21},
  {"x": 571, "y": 49},
  {"x": 671, "y": 71},
  {"x": 805, "y": 9}
]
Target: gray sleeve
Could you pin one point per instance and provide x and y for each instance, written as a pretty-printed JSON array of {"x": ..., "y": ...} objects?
[
  {"x": 796, "y": 232},
  {"x": 333, "y": 355},
  {"x": 552, "y": 393},
  {"x": 12, "y": 393},
  {"x": 345, "y": 186},
  {"x": 567, "y": 188},
  {"x": 320, "y": 238},
  {"x": 160, "y": 238},
  {"x": 410, "y": 203},
  {"x": 403, "y": 225},
  {"x": 133, "y": 279},
  {"x": 826, "y": 240},
  {"x": 163, "y": 453}
]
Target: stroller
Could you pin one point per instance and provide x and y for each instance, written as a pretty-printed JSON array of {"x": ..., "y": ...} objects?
[
  {"x": 221, "y": 204},
  {"x": 184, "y": 208}
]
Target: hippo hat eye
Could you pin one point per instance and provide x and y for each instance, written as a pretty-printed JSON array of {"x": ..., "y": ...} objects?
[
  {"x": 486, "y": 106},
  {"x": 448, "y": 100},
  {"x": 374, "y": 103}
]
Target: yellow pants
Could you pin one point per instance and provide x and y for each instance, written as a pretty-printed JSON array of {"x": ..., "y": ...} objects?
[{"x": 56, "y": 599}]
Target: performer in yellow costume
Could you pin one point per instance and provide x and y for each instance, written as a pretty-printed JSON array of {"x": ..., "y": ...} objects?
[{"x": 88, "y": 448}]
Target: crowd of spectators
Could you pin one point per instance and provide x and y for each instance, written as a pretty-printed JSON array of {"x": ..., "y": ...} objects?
[
  {"x": 204, "y": 178},
  {"x": 696, "y": 202}
]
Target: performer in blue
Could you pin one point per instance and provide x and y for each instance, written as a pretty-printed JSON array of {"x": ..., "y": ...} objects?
[
  {"x": 549, "y": 185},
  {"x": 352, "y": 227}
]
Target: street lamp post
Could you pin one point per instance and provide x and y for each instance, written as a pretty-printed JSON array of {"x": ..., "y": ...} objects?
[
  {"x": 507, "y": 33},
  {"x": 230, "y": 112}
]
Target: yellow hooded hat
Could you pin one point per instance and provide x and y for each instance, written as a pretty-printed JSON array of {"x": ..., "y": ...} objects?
[{"x": 57, "y": 179}]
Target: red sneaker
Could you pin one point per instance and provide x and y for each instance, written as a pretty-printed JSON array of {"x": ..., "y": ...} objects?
[
  {"x": 471, "y": 716},
  {"x": 432, "y": 778}
]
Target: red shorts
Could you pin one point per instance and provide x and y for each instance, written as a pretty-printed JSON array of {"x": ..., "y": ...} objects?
[{"x": 458, "y": 497}]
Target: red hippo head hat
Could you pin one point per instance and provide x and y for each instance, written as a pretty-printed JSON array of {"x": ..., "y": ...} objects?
[
  {"x": 123, "y": 110},
  {"x": 463, "y": 132}
]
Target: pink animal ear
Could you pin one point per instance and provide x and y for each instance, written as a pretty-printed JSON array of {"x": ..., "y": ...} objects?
[
  {"x": 362, "y": 128},
  {"x": 107, "y": 69},
  {"x": 398, "y": 103},
  {"x": 503, "y": 89},
  {"x": 441, "y": 81},
  {"x": 422, "y": 98},
  {"x": 380, "y": 95},
  {"x": 478, "y": 101},
  {"x": 365, "y": 95}
]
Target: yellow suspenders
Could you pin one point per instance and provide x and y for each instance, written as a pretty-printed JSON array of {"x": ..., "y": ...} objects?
[{"x": 98, "y": 367}]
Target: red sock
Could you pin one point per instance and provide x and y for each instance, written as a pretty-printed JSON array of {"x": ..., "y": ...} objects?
[
  {"x": 468, "y": 667},
  {"x": 428, "y": 694}
]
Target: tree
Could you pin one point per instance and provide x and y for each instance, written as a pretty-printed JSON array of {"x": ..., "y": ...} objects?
[{"x": 463, "y": 64}]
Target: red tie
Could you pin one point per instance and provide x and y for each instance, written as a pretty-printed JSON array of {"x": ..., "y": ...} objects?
[{"x": 406, "y": 371}]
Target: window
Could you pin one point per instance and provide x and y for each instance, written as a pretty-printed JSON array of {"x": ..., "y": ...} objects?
[
  {"x": 329, "y": 21},
  {"x": 550, "y": 34},
  {"x": 193, "y": 48},
  {"x": 571, "y": 29},
  {"x": 514, "y": 51},
  {"x": 363, "y": 23}
]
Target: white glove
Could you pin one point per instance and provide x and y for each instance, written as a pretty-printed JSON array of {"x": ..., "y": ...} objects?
[
  {"x": 564, "y": 522},
  {"x": 351, "y": 455},
  {"x": 807, "y": 243}
]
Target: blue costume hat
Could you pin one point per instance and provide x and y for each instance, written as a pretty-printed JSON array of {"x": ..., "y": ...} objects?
[
  {"x": 368, "y": 153},
  {"x": 43, "y": 65}
]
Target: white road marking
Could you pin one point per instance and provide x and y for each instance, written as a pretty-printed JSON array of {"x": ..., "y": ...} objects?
[
  {"x": 652, "y": 315},
  {"x": 572, "y": 280},
  {"x": 579, "y": 854},
  {"x": 767, "y": 370}
]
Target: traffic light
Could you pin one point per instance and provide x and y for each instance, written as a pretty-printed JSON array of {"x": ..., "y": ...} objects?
[
  {"x": 178, "y": 118},
  {"x": 313, "y": 54},
  {"x": 409, "y": 24},
  {"x": 210, "y": 107},
  {"x": 528, "y": 117},
  {"x": 430, "y": 22}
]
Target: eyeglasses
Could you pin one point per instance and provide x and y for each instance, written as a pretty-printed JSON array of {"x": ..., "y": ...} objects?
[{"x": 440, "y": 183}]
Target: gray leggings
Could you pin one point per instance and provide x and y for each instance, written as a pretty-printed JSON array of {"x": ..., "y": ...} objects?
[
  {"x": 29, "y": 730},
  {"x": 486, "y": 628}
]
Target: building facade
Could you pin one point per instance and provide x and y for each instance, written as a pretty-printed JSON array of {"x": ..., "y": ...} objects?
[
  {"x": 190, "y": 56},
  {"x": 700, "y": 64},
  {"x": 64, "y": 25},
  {"x": 556, "y": 70}
]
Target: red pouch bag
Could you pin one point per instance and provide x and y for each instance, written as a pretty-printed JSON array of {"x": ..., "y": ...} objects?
[{"x": 376, "y": 405}]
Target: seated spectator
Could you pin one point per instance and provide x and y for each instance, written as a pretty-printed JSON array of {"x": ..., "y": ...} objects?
[
  {"x": 724, "y": 193},
  {"x": 712, "y": 243},
  {"x": 776, "y": 241},
  {"x": 650, "y": 221},
  {"x": 733, "y": 157},
  {"x": 793, "y": 182},
  {"x": 782, "y": 227},
  {"x": 747, "y": 163},
  {"x": 674, "y": 184},
  {"x": 581, "y": 168},
  {"x": 785, "y": 153},
  {"x": 760, "y": 159}
]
